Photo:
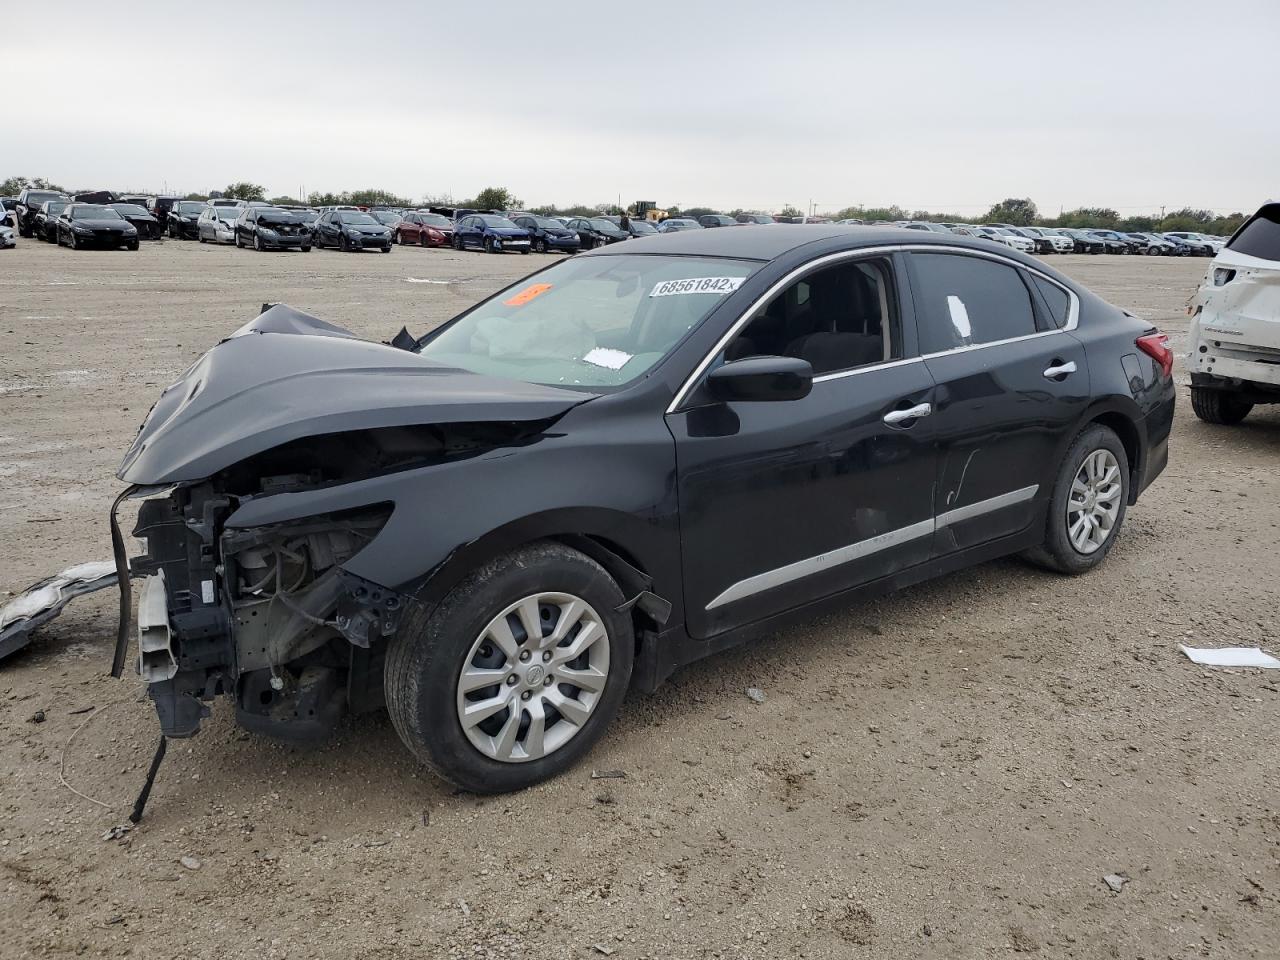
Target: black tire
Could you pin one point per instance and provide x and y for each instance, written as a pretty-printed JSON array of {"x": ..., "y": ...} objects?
[
  {"x": 540, "y": 245},
  {"x": 387, "y": 248},
  {"x": 72, "y": 242},
  {"x": 427, "y": 653},
  {"x": 488, "y": 245},
  {"x": 1219, "y": 406},
  {"x": 306, "y": 249},
  {"x": 257, "y": 243},
  {"x": 397, "y": 238},
  {"x": 1057, "y": 552},
  {"x": 239, "y": 245},
  {"x": 134, "y": 245}
]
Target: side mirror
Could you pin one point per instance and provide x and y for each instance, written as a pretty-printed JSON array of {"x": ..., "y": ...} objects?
[{"x": 762, "y": 378}]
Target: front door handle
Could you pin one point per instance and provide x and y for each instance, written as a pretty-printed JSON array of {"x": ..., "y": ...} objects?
[
  {"x": 1056, "y": 371},
  {"x": 895, "y": 417}
]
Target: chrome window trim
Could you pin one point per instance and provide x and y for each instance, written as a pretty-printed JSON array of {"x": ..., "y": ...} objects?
[
  {"x": 789, "y": 573},
  {"x": 1073, "y": 312}
]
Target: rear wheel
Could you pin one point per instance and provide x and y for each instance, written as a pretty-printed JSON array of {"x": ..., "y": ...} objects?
[
  {"x": 516, "y": 673},
  {"x": 1087, "y": 504},
  {"x": 1219, "y": 406}
]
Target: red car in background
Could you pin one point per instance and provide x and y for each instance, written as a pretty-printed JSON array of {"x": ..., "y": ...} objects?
[{"x": 424, "y": 229}]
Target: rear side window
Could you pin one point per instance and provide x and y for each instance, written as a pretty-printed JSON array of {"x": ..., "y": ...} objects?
[
  {"x": 966, "y": 300},
  {"x": 1055, "y": 298},
  {"x": 1260, "y": 236}
]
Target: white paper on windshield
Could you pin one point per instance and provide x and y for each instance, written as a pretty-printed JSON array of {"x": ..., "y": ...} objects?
[
  {"x": 607, "y": 357},
  {"x": 717, "y": 286},
  {"x": 1230, "y": 657}
]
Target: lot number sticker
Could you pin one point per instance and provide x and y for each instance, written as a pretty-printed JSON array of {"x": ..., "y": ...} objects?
[
  {"x": 527, "y": 294},
  {"x": 718, "y": 286}
]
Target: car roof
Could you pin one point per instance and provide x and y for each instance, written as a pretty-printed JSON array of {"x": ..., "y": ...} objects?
[{"x": 771, "y": 244}]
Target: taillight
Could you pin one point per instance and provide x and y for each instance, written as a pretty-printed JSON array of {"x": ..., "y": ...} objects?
[
  {"x": 1222, "y": 276},
  {"x": 1156, "y": 346}
]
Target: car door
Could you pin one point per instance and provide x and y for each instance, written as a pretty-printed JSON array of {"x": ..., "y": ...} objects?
[
  {"x": 786, "y": 502},
  {"x": 1012, "y": 383}
]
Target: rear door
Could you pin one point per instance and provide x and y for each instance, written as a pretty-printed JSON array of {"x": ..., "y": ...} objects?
[{"x": 1011, "y": 385}]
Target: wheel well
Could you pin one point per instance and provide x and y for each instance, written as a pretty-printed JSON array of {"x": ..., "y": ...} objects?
[{"x": 1125, "y": 429}]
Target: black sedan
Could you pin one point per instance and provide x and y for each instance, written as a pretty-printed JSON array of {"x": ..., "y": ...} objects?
[
  {"x": 350, "y": 230},
  {"x": 548, "y": 235},
  {"x": 270, "y": 228},
  {"x": 182, "y": 222},
  {"x": 597, "y": 232},
  {"x": 148, "y": 227},
  {"x": 717, "y": 220},
  {"x": 624, "y": 462},
  {"x": 1084, "y": 241},
  {"x": 95, "y": 225},
  {"x": 45, "y": 225}
]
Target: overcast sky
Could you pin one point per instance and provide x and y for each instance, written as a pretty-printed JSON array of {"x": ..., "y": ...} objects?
[{"x": 940, "y": 105}]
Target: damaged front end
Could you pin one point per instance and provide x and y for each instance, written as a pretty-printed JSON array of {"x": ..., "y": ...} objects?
[{"x": 266, "y": 616}]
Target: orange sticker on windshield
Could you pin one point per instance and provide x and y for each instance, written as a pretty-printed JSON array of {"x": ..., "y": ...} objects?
[{"x": 527, "y": 294}]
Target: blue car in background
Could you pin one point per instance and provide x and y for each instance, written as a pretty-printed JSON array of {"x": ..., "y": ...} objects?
[
  {"x": 489, "y": 232},
  {"x": 548, "y": 234}
]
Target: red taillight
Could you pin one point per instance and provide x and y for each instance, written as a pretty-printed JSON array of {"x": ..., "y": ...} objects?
[{"x": 1156, "y": 346}]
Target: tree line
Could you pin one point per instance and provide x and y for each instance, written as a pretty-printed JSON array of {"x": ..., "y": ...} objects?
[{"x": 1019, "y": 211}]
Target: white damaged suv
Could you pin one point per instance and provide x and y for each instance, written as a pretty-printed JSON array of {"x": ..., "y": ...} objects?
[{"x": 1234, "y": 352}]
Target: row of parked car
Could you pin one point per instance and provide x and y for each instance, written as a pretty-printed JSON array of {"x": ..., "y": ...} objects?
[{"x": 1046, "y": 240}]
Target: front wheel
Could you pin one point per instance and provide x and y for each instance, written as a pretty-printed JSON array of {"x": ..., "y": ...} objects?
[
  {"x": 133, "y": 245},
  {"x": 517, "y": 672},
  {"x": 540, "y": 245},
  {"x": 257, "y": 243},
  {"x": 397, "y": 238},
  {"x": 1087, "y": 504},
  {"x": 488, "y": 245},
  {"x": 1219, "y": 406}
]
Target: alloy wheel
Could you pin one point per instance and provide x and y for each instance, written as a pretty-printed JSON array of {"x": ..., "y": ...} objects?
[
  {"x": 533, "y": 678},
  {"x": 1094, "y": 502}
]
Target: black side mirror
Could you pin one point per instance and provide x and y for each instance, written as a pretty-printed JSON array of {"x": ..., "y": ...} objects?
[{"x": 762, "y": 378}]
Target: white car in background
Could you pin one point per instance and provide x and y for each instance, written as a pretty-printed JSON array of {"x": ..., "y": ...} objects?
[
  {"x": 1060, "y": 242},
  {"x": 1007, "y": 237},
  {"x": 8, "y": 238},
  {"x": 1214, "y": 242},
  {"x": 218, "y": 224},
  {"x": 1234, "y": 340}
]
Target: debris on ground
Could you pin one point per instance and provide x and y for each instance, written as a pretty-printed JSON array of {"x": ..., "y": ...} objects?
[
  {"x": 191, "y": 863},
  {"x": 601, "y": 948},
  {"x": 466, "y": 911},
  {"x": 1230, "y": 657},
  {"x": 1115, "y": 881},
  {"x": 117, "y": 832},
  {"x": 42, "y": 601},
  {"x": 37, "y": 717},
  {"x": 608, "y": 774},
  {"x": 755, "y": 695}
]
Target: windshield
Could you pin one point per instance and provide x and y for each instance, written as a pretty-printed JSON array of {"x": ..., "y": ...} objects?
[
  {"x": 600, "y": 223},
  {"x": 355, "y": 216},
  {"x": 434, "y": 220},
  {"x": 190, "y": 207},
  {"x": 308, "y": 215},
  {"x": 588, "y": 322},
  {"x": 386, "y": 216},
  {"x": 86, "y": 211},
  {"x": 546, "y": 223},
  {"x": 130, "y": 209},
  {"x": 53, "y": 206},
  {"x": 500, "y": 222},
  {"x": 1000, "y": 230},
  {"x": 642, "y": 226},
  {"x": 37, "y": 197}
]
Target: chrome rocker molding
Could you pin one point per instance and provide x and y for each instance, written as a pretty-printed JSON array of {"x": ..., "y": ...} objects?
[{"x": 864, "y": 548}]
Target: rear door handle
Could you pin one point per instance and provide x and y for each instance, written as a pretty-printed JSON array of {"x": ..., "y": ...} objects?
[
  {"x": 1056, "y": 371},
  {"x": 895, "y": 417}
]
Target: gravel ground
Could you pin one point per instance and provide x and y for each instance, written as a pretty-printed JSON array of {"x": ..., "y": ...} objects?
[{"x": 948, "y": 772}]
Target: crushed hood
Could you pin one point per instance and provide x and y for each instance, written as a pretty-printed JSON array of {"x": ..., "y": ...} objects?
[{"x": 287, "y": 375}]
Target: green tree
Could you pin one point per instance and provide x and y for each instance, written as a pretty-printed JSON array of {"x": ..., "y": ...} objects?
[
  {"x": 494, "y": 198},
  {"x": 12, "y": 186},
  {"x": 373, "y": 197},
  {"x": 244, "y": 190},
  {"x": 1086, "y": 218},
  {"x": 281, "y": 199},
  {"x": 195, "y": 196},
  {"x": 790, "y": 211},
  {"x": 696, "y": 212},
  {"x": 1019, "y": 212}
]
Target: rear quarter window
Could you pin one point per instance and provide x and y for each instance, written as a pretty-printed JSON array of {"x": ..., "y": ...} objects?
[
  {"x": 1260, "y": 236},
  {"x": 1055, "y": 298}
]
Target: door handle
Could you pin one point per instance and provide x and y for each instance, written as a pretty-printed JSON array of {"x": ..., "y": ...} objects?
[
  {"x": 895, "y": 417},
  {"x": 1056, "y": 371}
]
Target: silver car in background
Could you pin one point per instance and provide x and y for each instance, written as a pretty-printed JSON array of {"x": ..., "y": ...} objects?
[{"x": 218, "y": 224}]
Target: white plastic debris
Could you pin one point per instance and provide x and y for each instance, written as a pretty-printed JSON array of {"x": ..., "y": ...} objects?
[
  {"x": 1230, "y": 657},
  {"x": 1115, "y": 881}
]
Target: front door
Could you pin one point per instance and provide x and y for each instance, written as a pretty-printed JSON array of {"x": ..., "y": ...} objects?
[
  {"x": 786, "y": 502},
  {"x": 1012, "y": 384}
]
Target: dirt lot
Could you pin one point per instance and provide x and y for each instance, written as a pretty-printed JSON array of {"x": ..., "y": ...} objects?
[{"x": 945, "y": 773}]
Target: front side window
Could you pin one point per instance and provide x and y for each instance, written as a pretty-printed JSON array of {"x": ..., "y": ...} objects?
[
  {"x": 964, "y": 300},
  {"x": 837, "y": 318},
  {"x": 588, "y": 322}
]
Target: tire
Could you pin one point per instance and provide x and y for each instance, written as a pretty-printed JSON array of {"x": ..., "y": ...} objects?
[
  {"x": 387, "y": 248},
  {"x": 422, "y": 238},
  {"x": 306, "y": 249},
  {"x": 239, "y": 245},
  {"x": 1219, "y": 406},
  {"x": 488, "y": 245},
  {"x": 428, "y": 654},
  {"x": 257, "y": 243},
  {"x": 396, "y": 238},
  {"x": 540, "y": 245},
  {"x": 72, "y": 242},
  {"x": 457, "y": 243},
  {"x": 202, "y": 239},
  {"x": 133, "y": 246},
  {"x": 1058, "y": 552}
]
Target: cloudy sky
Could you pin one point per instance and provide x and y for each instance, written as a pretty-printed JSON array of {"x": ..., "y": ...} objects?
[{"x": 931, "y": 104}]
